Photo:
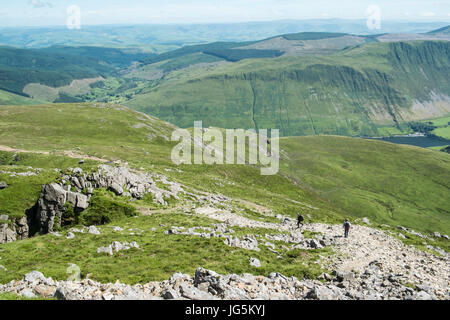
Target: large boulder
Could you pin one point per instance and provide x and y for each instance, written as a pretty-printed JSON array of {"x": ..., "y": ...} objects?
[
  {"x": 47, "y": 214},
  {"x": 7, "y": 233},
  {"x": 50, "y": 208}
]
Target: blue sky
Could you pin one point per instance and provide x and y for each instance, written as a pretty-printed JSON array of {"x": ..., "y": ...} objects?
[{"x": 54, "y": 12}]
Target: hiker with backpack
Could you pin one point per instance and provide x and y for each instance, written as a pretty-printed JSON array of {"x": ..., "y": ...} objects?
[
  {"x": 300, "y": 220},
  {"x": 346, "y": 228}
]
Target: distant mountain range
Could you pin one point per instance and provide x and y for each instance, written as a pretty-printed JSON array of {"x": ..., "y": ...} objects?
[
  {"x": 160, "y": 38},
  {"x": 302, "y": 83}
]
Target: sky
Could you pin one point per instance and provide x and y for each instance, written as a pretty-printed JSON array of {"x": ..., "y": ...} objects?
[{"x": 94, "y": 12}]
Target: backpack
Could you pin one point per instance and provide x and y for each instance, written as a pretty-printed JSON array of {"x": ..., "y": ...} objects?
[{"x": 347, "y": 224}]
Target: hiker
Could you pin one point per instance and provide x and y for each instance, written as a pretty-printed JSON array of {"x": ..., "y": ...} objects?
[
  {"x": 346, "y": 228},
  {"x": 300, "y": 219}
]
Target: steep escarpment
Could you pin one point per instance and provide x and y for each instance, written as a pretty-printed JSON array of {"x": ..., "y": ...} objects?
[{"x": 349, "y": 93}]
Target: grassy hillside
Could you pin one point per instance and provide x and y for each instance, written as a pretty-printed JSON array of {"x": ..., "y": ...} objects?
[
  {"x": 385, "y": 182},
  {"x": 119, "y": 58},
  {"x": 8, "y": 98},
  {"x": 349, "y": 93},
  {"x": 326, "y": 177},
  {"x": 20, "y": 67},
  {"x": 58, "y": 67}
]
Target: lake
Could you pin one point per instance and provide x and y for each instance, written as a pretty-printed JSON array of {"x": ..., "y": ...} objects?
[{"x": 418, "y": 141}]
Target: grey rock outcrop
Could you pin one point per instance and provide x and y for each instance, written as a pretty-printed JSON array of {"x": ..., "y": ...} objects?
[
  {"x": 50, "y": 208},
  {"x": 249, "y": 242},
  {"x": 53, "y": 198},
  {"x": 14, "y": 229},
  {"x": 7, "y": 234},
  {"x": 117, "y": 246}
]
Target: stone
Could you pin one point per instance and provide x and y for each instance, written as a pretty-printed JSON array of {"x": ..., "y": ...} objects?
[
  {"x": 49, "y": 208},
  {"x": 45, "y": 291},
  {"x": 424, "y": 287},
  {"x": 7, "y": 233},
  {"x": 4, "y": 217},
  {"x": 314, "y": 244},
  {"x": 116, "y": 246},
  {"x": 322, "y": 293},
  {"x": 422, "y": 295},
  {"x": 170, "y": 295},
  {"x": 70, "y": 235},
  {"x": 193, "y": 293},
  {"x": 22, "y": 222},
  {"x": 116, "y": 188},
  {"x": 325, "y": 276},
  {"x": 27, "y": 293},
  {"x": 107, "y": 250},
  {"x": 254, "y": 262},
  {"x": 61, "y": 293},
  {"x": 35, "y": 277},
  {"x": 82, "y": 201},
  {"x": 3, "y": 185},
  {"x": 248, "y": 243},
  {"x": 344, "y": 276},
  {"x": 94, "y": 230},
  {"x": 366, "y": 220},
  {"x": 72, "y": 198}
]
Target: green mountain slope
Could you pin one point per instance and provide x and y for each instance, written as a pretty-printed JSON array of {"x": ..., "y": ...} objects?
[
  {"x": 19, "y": 67},
  {"x": 352, "y": 92},
  {"x": 119, "y": 58},
  {"x": 58, "y": 66},
  {"x": 327, "y": 177},
  {"x": 382, "y": 181},
  {"x": 8, "y": 98}
]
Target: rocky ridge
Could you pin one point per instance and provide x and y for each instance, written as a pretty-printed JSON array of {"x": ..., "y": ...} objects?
[{"x": 77, "y": 188}]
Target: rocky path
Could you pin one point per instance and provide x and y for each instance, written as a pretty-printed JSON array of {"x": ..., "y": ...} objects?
[
  {"x": 69, "y": 154},
  {"x": 364, "y": 247},
  {"x": 369, "y": 264}
]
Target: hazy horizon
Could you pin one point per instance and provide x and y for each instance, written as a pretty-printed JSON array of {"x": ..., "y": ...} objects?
[{"x": 49, "y": 13}]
